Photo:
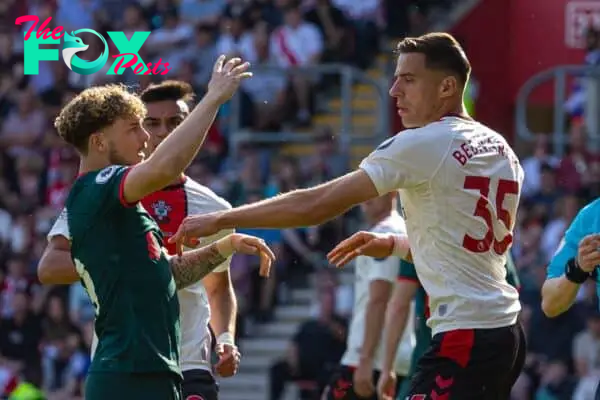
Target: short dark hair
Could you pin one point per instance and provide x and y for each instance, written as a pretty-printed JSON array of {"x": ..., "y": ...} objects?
[
  {"x": 94, "y": 109},
  {"x": 442, "y": 51},
  {"x": 170, "y": 90}
]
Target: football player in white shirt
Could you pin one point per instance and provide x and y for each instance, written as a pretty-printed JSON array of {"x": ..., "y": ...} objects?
[
  {"x": 374, "y": 282},
  {"x": 460, "y": 184},
  {"x": 210, "y": 300}
]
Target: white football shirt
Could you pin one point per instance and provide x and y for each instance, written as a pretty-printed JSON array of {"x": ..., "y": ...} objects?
[
  {"x": 193, "y": 300},
  {"x": 367, "y": 270},
  {"x": 460, "y": 184}
]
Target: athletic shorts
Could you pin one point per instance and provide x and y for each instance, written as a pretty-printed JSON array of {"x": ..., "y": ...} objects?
[
  {"x": 132, "y": 386},
  {"x": 340, "y": 385},
  {"x": 470, "y": 364},
  {"x": 199, "y": 384}
]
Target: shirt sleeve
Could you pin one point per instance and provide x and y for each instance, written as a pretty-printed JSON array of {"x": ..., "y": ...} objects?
[
  {"x": 405, "y": 160},
  {"x": 567, "y": 248},
  {"x": 383, "y": 269},
  {"x": 60, "y": 227},
  {"x": 407, "y": 272}
]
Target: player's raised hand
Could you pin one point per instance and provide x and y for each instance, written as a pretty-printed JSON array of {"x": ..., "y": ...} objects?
[
  {"x": 254, "y": 246},
  {"x": 588, "y": 253},
  {"x": 361, "y": 244},
  {"x": 229, "y": 360},
  {"x": 227, "y": 76}
]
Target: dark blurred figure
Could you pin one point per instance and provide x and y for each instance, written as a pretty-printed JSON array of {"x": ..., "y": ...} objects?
[{"x": 313, "y": 352}]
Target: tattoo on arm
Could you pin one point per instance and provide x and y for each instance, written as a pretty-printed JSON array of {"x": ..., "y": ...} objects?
[{"x": 195, "y": 264}]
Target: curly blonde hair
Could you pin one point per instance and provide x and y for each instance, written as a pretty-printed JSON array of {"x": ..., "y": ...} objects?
[{"x": 95, "y": 109}]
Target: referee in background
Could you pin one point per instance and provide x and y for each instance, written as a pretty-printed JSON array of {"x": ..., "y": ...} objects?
[{"x": 575, "y": 261}]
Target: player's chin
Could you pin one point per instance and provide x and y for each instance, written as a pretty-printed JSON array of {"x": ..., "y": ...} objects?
[{"x": 408, "y": 122}]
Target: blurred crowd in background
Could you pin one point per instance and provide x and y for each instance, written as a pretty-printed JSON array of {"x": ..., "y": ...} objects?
[{"x": 45, "y": 331}]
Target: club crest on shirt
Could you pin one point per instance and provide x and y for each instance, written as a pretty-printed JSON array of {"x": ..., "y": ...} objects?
[
  {"x": 161, "y": 211},
  {"x": 104, "y": 175}
]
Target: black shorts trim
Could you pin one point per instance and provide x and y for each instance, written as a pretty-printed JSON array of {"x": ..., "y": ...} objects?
[{"x": 199, "y": 384}]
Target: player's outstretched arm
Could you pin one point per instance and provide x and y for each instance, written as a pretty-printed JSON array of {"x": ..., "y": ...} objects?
[
  {"x": 305, "y": 207},
  {"x": 396, "y": 316},
  {"x": 380, "y": 291},
  {"x": 371, "y": 244},
  {"x": 56, "y": 265},
  {"x": 178, "y": 150},
  {"x": 194, "y": 265},
  {"x": 223, "y": 314}
]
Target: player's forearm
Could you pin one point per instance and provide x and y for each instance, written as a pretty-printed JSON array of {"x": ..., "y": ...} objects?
[
  {"x": 223, "y": 305},
  {"x": 558, "y": 294},
  {"x": 194, "y": 265},
  {"x": 396, "y": 317},
  {"x": 374, "y": 320},
  {"x": 56, "y": 268},
  {"x": 293, "y": 209},
  {"x": 178, "y": 150}
]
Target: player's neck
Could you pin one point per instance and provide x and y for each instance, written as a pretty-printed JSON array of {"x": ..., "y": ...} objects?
[
  {"x": 450, "y": 110},
  {"x": 90, "y": 163}
]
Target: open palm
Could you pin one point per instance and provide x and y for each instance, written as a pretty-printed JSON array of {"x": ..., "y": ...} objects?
[{"x": 361, "y": 244}]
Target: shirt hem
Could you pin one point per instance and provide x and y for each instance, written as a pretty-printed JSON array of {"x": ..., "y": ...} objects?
[{"x": 446, "y": 327}]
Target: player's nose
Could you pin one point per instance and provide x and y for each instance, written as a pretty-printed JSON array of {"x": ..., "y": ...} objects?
[{"x": 394, "y": 90}]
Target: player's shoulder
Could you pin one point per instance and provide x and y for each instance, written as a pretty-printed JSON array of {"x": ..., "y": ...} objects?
[
  {"x": 590, "y": 214},
  {"x": 104, "y": 175},
  {"x": 426, "y": 139},
  {"x": 203, "y": 199}
]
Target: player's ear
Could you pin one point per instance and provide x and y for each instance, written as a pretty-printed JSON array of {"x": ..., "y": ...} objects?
[
  {"x": 98, "y": 141},
  {"x": 448, "y": 87}
]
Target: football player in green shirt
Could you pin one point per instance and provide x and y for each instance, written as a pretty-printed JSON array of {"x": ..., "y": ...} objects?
[{"x": 117, "y": 247}]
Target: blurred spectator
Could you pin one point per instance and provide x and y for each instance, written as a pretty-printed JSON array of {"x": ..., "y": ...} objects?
[
  {"x": 532, "y": 166},
  {"x": 556, "y": 383},
  {"x": 16, "y": 281},
  {"x": 313, "y": 352},
  {"x": 203, "y": 51},
  {"x": 579, "y": 168},
  {"x": 202, "y": 12},
  {"x": 235, "y": 40},
  {"x": 23, "y": 126},
  {"x": 298, "y": 43},
  {"x": 335, "y": 30},
  {"x": 267, "y": 89},
  {"x": 586, "y": 351},
  {"x": 366, "y": 20},
  {"x": 76, "y": 14},
  {"x": 20, "y": 335}
]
